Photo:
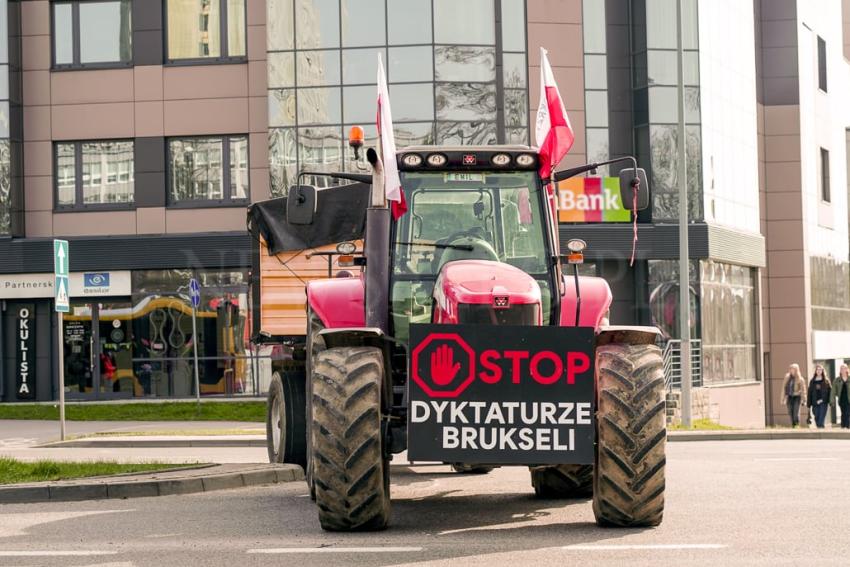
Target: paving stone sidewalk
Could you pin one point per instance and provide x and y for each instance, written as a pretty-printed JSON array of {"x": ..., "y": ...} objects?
[{"x": 202, "y": 478}]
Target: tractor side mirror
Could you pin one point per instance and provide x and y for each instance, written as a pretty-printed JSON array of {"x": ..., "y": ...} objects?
[
  {"x": 301, "y": 204},
  {"x": 628, "y": 182}
]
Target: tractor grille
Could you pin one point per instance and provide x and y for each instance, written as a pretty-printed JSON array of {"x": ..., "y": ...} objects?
[{"x": 482, "y": 314}]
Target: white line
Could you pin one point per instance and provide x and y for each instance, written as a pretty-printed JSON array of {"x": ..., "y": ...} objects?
[
  {"x": 275, "y": 550},
  {"x": 655, "y": 546},
  {"x": 68, "y": 553},
  {"x": 799, "y": 459}
]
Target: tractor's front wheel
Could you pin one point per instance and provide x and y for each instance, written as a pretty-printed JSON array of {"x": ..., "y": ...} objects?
[
  {"x": 350, "y": 473},
  {"x": 286, "y": 419},
  {"x": 562, "y": 481},
  {"x": 628, "y": 479}
]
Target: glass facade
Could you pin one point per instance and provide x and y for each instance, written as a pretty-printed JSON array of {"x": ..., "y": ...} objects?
[
  {"x": 206, "y": 29},
  {"x": 830, "y": 288},
  {"x": 92, "y": 33},
  {"x": 728, "y": 309},
  {"x": 656, "y": 106},
  {"x": 208, "y": 170},
  {"x": 143, "y": 345},
  {"x": 94, "y": 174},
  {"x": 595, "y": 82},
  {"x": 452, "y": 78}
]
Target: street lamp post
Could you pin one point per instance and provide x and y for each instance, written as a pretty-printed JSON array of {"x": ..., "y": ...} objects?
[{"x": 684, "y": 272}]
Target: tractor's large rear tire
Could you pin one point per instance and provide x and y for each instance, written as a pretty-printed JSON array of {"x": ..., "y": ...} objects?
[
  {"x": 315, "y": 345},
  {"x": 628, "y": 479},
  {"x": 350, "y": 472},
  {"x": 563, "y": 481},
  {"x": 286, "y": 419}
]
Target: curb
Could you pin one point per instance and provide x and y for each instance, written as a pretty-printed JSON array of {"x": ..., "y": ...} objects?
[
  {"x": 130, "y": 443},
  {"x": 125, "y": 486},
  {"x": 769, "y": 435}
]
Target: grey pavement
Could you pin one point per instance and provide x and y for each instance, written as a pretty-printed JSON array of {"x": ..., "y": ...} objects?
[
  {"x": 202, "y": 478},
  {"x": 761, "y": 503},
  {"x": 26, "y": 432}
]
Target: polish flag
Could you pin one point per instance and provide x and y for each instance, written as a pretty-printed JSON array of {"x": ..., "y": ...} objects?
[
  {"x": 392, "y": 182},
  {"x": 554, "y": 133}
]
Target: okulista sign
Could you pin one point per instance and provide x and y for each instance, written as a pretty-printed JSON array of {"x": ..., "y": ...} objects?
[
  {"x": 501, "y": 394},
  {"x": 25, "y": 360}
]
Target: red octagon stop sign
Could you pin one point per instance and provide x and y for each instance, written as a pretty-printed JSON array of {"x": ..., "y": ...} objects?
[{"x": 443, "y": 365}]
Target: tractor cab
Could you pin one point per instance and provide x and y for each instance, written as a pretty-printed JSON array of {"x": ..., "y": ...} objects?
[{"x": 482, "y": 210}]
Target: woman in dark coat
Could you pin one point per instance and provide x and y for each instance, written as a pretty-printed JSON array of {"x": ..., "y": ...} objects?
[{"x": 819, "y": 396}]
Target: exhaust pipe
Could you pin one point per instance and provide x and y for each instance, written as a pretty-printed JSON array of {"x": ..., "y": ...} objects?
[{"x": 377, "y": 250}]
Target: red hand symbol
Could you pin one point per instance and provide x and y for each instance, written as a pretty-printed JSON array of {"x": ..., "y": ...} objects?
[{"x": 443, "y": 367}]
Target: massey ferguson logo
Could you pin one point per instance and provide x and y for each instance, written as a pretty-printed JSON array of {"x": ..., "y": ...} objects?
[{"x": 444, "y": 365}]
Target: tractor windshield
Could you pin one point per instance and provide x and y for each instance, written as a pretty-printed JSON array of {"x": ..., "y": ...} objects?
[
  {"x": 483, "y": 215},
  {"x": 470, "y": 215}
]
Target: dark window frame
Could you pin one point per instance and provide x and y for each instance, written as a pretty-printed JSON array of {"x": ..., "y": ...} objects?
[
  {"x": 77, "y": 65},
  {"x": 79, "y": 204},
  {"x": 825, "y": 190},
  {"x": 228, "y": 200},
  {"x": 822, "y": 75},
  {"x": 224, "y": 58}
]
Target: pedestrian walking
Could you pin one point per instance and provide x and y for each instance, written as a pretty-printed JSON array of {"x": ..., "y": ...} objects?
[
  {"x": 842, "y": 395},
  {"x": 818, "y": 398},
  {"x": 793, "y": 390}
]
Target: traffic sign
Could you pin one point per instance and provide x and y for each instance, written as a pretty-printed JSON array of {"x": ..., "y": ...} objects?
[
  {"x": 195, "y": 292},
  {"x": 61, "y": 258},
  {"x": 61, "y": 284}
]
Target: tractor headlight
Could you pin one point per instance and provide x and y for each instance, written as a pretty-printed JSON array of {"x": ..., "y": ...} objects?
[
  {"x": 346, "y": 248},
  {"x": 501, "y": 160},
  {"x": 437, "y": 160},
  {"x": 576, "y": 245},
  {"x": 412, "y": 160},
  {"x": 525, "y": 160}
]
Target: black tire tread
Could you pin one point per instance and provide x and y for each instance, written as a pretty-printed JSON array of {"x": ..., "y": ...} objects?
[
  {"x": 629, "y": 477},
  {"x": 347, "y": 456},
  {"x": 562, "y": 481}
]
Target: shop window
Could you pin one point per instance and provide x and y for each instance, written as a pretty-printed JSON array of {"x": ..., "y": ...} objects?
[
  {"x": 94, "y": 175},
  {"x": 208, "y": 171},
  {"x": 211, "y": 30},
  {"x": 92, "y": 34}
]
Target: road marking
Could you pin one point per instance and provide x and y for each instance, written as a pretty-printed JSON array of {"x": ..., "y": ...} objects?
[
  {"x": 799, "y": 459},
  {"x": 275, "y": 550},
  {"x": 653, "y": 546},
  {"x": 55, "y": 553},
  {"x": 19, "y": 524}
]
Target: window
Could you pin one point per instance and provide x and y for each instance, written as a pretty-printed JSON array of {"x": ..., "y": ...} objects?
[
  {"x": 92, "y": 34},
  {"x": 206, "y": 29},
  {"x": 208, "y": 170},
  {"x": 824, "y": 176},
  {"x": 92, "y": 175},
  {"x": 821, "y": 64}
]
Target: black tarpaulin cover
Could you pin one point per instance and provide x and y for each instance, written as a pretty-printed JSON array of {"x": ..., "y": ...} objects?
[{"x": 340, "y": 216}]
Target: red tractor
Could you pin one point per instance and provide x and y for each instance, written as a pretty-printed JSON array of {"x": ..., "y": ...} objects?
[{"x": 456, "y": 334}]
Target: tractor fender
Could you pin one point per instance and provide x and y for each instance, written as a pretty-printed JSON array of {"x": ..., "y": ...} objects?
[
  {"x": 338, "y": 302},
  {"x": 626, "y": 334},
  {"x": 595, "y": 301}
]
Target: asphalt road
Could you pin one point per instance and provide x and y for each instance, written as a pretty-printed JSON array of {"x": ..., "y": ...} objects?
[{"x": 728, "y": 503}]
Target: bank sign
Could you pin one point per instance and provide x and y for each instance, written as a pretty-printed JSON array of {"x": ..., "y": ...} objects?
[
  {"x": 591, "y": 199},
  {"x": 501, "y": 394}
]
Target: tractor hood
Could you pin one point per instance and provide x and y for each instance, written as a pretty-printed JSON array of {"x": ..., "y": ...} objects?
[{"x": 484, "y": 291}]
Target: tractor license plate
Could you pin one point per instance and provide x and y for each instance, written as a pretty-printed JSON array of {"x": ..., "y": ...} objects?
[{"x": 501, "y": 394}]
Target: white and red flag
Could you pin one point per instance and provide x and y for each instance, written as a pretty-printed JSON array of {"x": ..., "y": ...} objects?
[
  {"x": 392, "y": 181},
  {"x": 554, "y": 133}
]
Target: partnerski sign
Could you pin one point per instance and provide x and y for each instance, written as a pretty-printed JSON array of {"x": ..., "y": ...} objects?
[{"x": 501, "y": 394}]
